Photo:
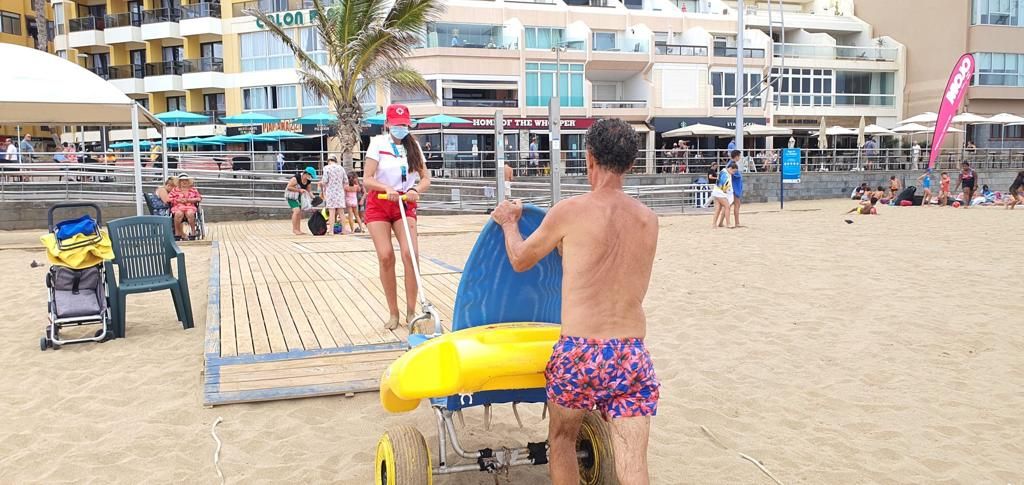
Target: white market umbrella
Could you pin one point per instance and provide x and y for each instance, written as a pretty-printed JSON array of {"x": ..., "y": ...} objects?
[
  {"x": 911, "y": 128},
  {"x": 860, "y": 140},
  {"x": 699, "y": 129},
  {"x": 762, "y": 130},
  {"x": 878, "y": 130},
  {"x": 969, "y": 118},
  {"x": 1004, "y": 119},
  {"x": 928, "y": 117}
]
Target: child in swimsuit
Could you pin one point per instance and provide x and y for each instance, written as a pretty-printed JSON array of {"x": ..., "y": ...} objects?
[
  {"x": 926, "y": 185},
  {"x": 944, "y": 181}
]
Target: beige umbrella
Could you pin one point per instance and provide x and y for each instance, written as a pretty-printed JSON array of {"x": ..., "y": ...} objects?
[
  {"x": 822, "y": 142},
  {"x": 762, "y": 130},
  {"x": 878, "y": 130},
  {"x": 860, "y": 140},
  {"x": 1004, "y": 119},
  {"x": 928, "y": 117},
  {"x": 698, "y": 129}
]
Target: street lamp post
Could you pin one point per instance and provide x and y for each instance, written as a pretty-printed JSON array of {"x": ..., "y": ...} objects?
[{"x": 554, "y": 128}]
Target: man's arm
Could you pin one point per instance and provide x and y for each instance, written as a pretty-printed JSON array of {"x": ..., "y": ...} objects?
[{"x": 524, "y": 254}]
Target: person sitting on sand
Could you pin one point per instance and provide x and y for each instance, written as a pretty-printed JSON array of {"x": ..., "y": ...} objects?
[
  {"x": 926, "y": 186},
  {"x": 858, "y": 193},
  {"x": 1016, "y": 193},
  {"x": 600, "y": 361},
  {"x": 879, "y": 195},
  {"x": 866, "y": 207},
  {"x": 184, "y": 204}
]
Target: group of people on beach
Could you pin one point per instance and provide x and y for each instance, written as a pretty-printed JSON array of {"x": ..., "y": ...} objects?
[
  {"x": 967, "y": 179},
  {"x": 727, "y": 193},
  {"x": 178, "y": 198},
  {"x": 342, "y": 195}
]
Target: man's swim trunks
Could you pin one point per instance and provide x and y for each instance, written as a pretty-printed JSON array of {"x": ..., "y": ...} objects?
[{"x": 616, "y": 376}]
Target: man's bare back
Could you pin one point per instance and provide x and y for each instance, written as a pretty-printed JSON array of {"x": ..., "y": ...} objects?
[{"x": 607, "y": 254}]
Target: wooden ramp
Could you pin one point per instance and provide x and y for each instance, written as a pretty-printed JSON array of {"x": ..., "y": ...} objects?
[{"x": 301, "y": 316}]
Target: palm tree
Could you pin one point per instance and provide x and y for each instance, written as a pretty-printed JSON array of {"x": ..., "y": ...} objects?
[
  {"x": 42, "y": 34},
  {"x": 367, "y": 42}
]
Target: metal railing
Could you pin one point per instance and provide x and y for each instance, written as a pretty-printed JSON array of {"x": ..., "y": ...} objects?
[
  {"x": 200, "y": 10},
  {"x": 748, "y": 52},
  {"x": 842, "y": 52},
  {"x": 214, "y": 115},
  {"x": 127, "y": 19},
  {"x": 159, "y": 15},
  {"x": 681, "y": 50},
  {"x": 482, "y": 103},
  {"x": 101, "y": 71},
  {"x": 165, "y": 68},
  {"x": 618, "y": 104},
  {"x": 83, "y": 24},
  {"x": 127, "y": 71},
  {"x": 203, "y": 64}
]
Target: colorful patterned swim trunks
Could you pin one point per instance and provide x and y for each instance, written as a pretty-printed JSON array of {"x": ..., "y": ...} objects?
[{"x": 615, "y": 376}]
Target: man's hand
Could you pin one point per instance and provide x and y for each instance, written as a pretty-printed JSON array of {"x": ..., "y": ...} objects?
[{"x": 509, "y": 211}]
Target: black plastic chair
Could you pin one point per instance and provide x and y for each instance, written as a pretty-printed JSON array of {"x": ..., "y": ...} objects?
[{"x": 143, "y": 249}]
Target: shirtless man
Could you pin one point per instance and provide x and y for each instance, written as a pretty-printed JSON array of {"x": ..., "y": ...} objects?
[{"x": 601, "y": 256}]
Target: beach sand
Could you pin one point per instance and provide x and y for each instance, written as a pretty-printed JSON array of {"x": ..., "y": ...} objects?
[{"x": 884, "y": 351}]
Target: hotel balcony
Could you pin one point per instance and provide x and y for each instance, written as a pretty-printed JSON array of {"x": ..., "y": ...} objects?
[
  {"x": 748, "y": 53},
  {"x": 618, "y": 93},
  {"x": 101, "y": 71},
  {"x": 269, "y": 6},
  {"x": 161, "y": 23},
  {"x": 214, "y": 116},
  {"x": 164, "y": 76},
  {"x": 86, "y": 32},
  {"x": 837, "y": 52},
  {"x": 680, "y": 50},
  {"x": 128, "y": 78},
  {"x": 123, "y": 27},
  {"x": 201, "y": 18},
  {"x": 592, "y": 3},
  {"x": 206, "y": 72}
]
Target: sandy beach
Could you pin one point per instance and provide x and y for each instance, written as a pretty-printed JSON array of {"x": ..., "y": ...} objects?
[{"x": 884, "y": 351}]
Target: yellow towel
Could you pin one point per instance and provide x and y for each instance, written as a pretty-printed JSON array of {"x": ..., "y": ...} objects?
[{"x": 78, "y": 258}]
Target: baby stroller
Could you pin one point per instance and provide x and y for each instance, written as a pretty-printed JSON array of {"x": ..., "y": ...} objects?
[{"x": 76, "y": 282}]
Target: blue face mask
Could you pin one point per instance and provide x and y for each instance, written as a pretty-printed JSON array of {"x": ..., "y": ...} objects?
[{"x": 399, "y": 132}]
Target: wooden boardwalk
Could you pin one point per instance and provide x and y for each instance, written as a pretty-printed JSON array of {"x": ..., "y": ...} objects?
[{"x": 299, "y": 316}]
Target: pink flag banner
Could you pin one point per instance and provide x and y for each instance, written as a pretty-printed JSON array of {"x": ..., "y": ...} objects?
[{"x": 953, "y": 96}]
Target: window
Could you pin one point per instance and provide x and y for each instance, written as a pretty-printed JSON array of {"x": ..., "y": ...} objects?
[
  {"x": 724, "y": 89},
  {"x": 1000, "y": 132},
  {"x": 803, "y": 87},
  {"x": 262, "y": 51},
  {"x": 144, "y": 102},
  {"x": 211, "y": 50},
  {"x": 540, "y": 84},
  {"x": 213, "y": 102},
  {"x": 687, "y": 5},
  {"x": 998, "y": 12},
  {"x": 175, "y": 103},
  {"x": 62, "y": 54},
  {"x": 399, "y": 95},
  {"x": 173, "y": 53},
  {"x": 312, "y": 102},
  {"x": 313, "y": 44},
  {"x": 605, "y": 41},
  {"x": 279, "y": 101},
  {"x": 58, "y": 17},
  {"x": 999, "y": 69},
  {"x": 10, "y": 23},
  {"x": 472, "y": 36},
  {"x": 544, "y": 37},
  {"x": 855, "y": 88}
]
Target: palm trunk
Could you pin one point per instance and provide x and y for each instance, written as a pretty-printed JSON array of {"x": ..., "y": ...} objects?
[{"x": 42, "y": 34}]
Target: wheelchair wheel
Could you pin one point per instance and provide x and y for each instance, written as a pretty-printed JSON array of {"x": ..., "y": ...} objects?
[
  {"x": 402, "y": 458},
  {"x": 595, "y": 438}
]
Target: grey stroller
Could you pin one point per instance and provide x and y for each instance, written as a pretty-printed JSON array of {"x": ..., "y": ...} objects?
[{"x": 76, "y": 297}]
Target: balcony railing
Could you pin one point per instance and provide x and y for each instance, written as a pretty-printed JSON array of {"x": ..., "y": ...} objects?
[
  {"x": 269, "y": 6},
  {"x": 166, "y": 68},
  {"x": 127, "y": 19},
  {"x": 161, "y": 15},
  {"x": 618, "y": 104},
  {"x": 681, "y": 50},
  {"x": 83, "y": 24},
  {"x": 127, "y": 71},
  {"x": 200, "y": 10},
  {"x": 731, "y": 52},
  {"x": 590, "y": 3},
  {"x": 844, "y": 52},
  {"x": 482, "y": 103},
  {"x": 101, "y": 71},
  {"x": 542, "y": 2},
  {"x": 215, "y": 116},
  {"x": 204, "y": 64}
]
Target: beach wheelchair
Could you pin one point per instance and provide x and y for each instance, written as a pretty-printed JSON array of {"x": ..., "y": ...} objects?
[
  {"x": 484, "y": 361},
  {"x": 155, "y": 207}
]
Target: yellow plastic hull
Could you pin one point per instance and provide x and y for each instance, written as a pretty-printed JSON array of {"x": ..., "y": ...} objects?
[{"x": 487, "y": 358}]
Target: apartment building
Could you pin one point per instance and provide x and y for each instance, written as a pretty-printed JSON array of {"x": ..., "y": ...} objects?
[
  {"x": 937, "y": 34},
  {"x": 660, "y": 64}
]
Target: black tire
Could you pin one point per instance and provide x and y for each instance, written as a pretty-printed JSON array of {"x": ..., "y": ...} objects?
[
  {"x": 43, "y": 344},
  {"x": 595, "y": 437},
  {"x": 402, "y": 458}
]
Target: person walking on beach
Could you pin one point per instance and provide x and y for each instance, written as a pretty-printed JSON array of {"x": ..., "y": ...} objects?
[
  {"x": 968, "y": 180},
  {"x": 395, "y": 167},
  {"x": 737, "y": 188},
  {"x": 332, "y": 186},
  {"x": 352, "y": 190},
  {"x": 944, "y": 181},
  {"x": 600, "y": 362},
  {"x": 723, "y": 196}
]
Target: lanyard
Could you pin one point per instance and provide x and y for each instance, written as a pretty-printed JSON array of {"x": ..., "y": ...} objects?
[{"x": 405, "y": 165}]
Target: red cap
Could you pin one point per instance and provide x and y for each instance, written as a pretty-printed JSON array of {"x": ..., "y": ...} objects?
[{"x": 398, "y": 114}]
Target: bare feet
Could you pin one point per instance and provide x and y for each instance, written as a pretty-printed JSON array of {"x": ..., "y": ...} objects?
[
  {"x": 297, "y": 233},
  {"x": 392, "y": 323}
]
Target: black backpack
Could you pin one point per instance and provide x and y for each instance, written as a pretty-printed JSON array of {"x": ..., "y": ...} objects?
[{"x": 317, "y": 224}]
